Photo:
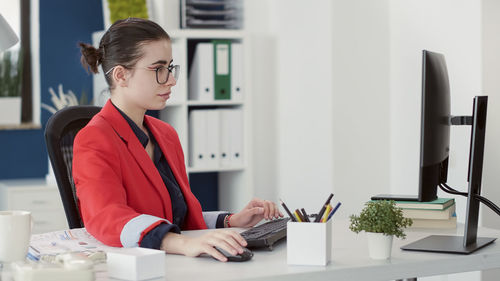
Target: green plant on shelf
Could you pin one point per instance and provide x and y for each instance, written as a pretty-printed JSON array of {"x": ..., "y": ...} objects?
[
  {"x": 122, "y": 9},
  {"x": 11, "y": 69},
  {"x": 381, "y": 216}
]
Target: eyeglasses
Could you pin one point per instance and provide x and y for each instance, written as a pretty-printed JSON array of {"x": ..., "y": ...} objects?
[{"x": 162, "y": 72}]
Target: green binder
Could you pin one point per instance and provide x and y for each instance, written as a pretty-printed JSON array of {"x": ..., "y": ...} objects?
[{"x": 222, "y": 69}]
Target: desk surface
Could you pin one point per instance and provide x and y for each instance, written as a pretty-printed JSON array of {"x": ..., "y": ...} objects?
[{"x": 350, "y": 261}]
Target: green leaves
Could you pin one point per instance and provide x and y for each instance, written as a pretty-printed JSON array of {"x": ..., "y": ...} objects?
[
  {"x": 381, "y": 216},
  {"x": 11, "y": 65},
  {"x": 120, "y": 9}
]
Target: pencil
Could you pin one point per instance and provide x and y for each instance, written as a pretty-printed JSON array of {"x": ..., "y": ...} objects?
[
  {"x": 297, "y": 215},
  {"x": 292, "y": 218},
  {"x": 327, "y": 212},
  {"x": 333, "y": 211},
  {"x": 320, "y": 214},
  {"x": 304, "y": 214}
]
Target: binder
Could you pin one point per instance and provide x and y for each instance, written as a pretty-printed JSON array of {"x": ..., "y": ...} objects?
[
  {"x": 236, "y": 148},
  {"x": 222, "y": 69},
  {"x": 212, "y": 138},
  {"x": 178, "y": 89},
  {"x": 225, "y": 137},
  {"x": 237, "y": 71},
  {"x": 197, "y": 139},
  {"x": 201, "y": 79}
]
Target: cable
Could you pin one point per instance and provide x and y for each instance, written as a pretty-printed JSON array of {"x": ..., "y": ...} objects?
[
  {"x": 446, "y": 188},
  {"x": 488, "y": 203}
]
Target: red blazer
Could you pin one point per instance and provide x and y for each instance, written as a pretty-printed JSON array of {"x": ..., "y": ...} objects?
[{"x": 121, "y": 195}]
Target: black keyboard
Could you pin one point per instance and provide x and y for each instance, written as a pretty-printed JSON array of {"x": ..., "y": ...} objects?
[{"x": 266, "y": 234}]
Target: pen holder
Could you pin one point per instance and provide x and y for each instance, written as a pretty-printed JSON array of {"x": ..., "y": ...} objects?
[{"x": 309, "y": 243}]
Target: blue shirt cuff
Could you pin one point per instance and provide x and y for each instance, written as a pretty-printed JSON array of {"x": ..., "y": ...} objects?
[
  {"x": 220, "y": 220},
  {"x": 153, "y": 238}
]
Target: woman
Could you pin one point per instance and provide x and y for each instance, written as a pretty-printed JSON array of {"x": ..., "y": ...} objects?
[{"x": 128, "y": 167}]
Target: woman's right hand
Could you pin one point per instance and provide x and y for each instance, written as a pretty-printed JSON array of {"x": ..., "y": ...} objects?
[{"x": 228, "y": 240}]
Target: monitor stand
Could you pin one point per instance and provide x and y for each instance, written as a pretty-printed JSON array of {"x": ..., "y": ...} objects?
[
  {"x": 447, "y": 244},
  {"x": 395, "y": 197},
  {"x": 469, "y": 242}
]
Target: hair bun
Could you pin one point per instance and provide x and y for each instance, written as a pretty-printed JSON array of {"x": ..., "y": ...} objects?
[{"x": 91, "y": 57}]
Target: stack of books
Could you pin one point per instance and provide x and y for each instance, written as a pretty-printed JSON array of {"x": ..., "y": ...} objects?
[{"x": 439, "y": 213}]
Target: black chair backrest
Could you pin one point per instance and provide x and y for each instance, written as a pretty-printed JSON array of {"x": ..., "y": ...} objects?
[{"x": 60, "y": 133}]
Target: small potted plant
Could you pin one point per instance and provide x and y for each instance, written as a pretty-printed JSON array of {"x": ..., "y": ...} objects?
[
  {"x": 10, "y": 87},
  {"x": 381, "y": 220}
]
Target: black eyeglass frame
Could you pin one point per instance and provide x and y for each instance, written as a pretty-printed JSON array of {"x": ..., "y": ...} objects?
[{"x": 169, "y": 69}]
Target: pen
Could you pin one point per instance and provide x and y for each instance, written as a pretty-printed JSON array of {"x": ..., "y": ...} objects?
[
  {"x": 292, "y": 218},
  {"x": 333, "y": 211},
  {"x": 320, "y": 214},
  {"x": 297, "y": 215},
  {"x": 304, "y": 214},
  {"x": 327, "y": 212}
]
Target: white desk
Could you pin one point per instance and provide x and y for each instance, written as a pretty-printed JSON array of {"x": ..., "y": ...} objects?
[{"x": 350, "y": 261}]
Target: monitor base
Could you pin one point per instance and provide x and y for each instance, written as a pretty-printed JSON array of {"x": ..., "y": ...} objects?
[
  {"x": 395, "y": 197},
  {"x": 447, "y": 244}
]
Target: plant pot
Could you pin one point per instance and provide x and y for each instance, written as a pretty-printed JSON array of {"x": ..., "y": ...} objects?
[
  {"x": 10, "y": 110},
  {"x": 379, "y": 245}
]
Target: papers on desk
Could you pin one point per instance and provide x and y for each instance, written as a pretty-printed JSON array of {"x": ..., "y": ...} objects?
[{"x": 65, "y": 241}]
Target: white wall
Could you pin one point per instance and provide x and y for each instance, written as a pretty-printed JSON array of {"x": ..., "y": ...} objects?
[
  {"x": 491, "y": 87},
  {"x": 352, "y": 124},
  {"x": 320, "y": 95},
  {"x": 292, "y": 102},
  {"x": 450, "y": 27},
  {"x": 304, "y": 102},
  {"x": 361, "y": 102},
  {"x": 264, "y": 95}
]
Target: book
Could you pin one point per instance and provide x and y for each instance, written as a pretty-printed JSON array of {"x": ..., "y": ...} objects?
[
  {"x": 46, "y": 246},
  {"x": 424, "y": 223},
  {"x": 438, "y": 204},
  {"x": 429, "y": 213}
]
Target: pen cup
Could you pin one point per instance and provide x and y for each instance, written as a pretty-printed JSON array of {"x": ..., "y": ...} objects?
[{"x": 309, "y": 243}]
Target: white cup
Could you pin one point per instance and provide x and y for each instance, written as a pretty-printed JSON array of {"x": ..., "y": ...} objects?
[{"x": 15, "y": 233}]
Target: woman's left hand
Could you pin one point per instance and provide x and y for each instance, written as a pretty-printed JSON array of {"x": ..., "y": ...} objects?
[{"x": 254, "y": 212}]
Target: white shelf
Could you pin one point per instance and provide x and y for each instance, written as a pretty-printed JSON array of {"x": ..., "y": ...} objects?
[
  {"x": 207, "y": 34},
  {"x": 208, "y": 170},
  {"x": 214, "y": 103},
  {"x": 173, "y": 104}
]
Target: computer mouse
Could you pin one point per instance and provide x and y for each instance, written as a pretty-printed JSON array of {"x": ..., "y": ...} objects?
[{"x": 246, "y": 255}]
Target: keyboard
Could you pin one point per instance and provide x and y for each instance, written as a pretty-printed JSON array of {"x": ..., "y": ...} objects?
[{"x": 266, "y": 234}]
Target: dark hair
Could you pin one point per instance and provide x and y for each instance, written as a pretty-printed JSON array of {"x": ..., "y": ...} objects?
[{"x": 121, "y": 44}]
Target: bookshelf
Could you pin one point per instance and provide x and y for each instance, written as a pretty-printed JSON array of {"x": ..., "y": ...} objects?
[{"x": 234, "y": 183}]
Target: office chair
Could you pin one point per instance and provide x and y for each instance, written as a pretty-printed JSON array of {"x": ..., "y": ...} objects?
[{"x": 60, "y": 133}]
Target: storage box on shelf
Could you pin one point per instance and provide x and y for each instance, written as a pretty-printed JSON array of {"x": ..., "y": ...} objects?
[{"x": 42, "y": 200}]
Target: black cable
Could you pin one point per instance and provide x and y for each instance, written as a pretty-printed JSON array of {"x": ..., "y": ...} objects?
[
  {"x": 457, "y": 192},
  {"x": 446, "y": 188},
  {"x": 450, "y": 190},
  {"x": 488, "y": 203}
]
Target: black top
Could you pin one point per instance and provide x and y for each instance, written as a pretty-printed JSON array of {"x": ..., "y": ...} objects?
[{"x": 179, "y": 208}]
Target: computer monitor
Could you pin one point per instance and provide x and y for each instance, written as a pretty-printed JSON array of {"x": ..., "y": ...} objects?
[
  {"x": 434, "y": 153},
  {"x": 434, "y": 130}
]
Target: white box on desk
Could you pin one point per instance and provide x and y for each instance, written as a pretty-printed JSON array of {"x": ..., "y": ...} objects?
[
  {"x": 136, "y": 263},
  {"x": 309, "y": 243}
]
